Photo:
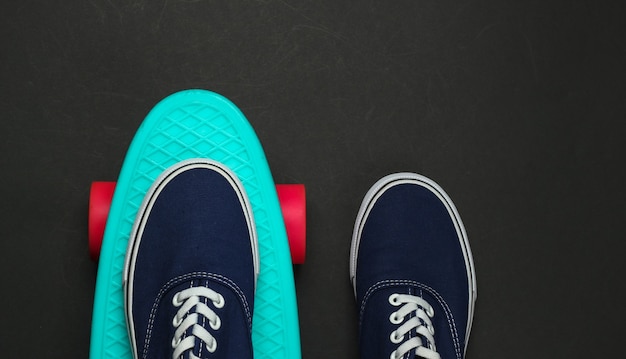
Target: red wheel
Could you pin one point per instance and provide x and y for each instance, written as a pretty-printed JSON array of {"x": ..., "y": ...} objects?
[
  {"x": 99, "y": 203},
  {"x": 293, "y": 205}
]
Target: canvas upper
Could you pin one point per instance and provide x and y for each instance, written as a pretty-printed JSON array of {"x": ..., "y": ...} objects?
[
  {"x": 412, "y": 271},
  {"x": 191, "y": 267}
]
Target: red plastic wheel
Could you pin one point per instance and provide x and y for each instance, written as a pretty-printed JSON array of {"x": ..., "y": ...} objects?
[
  {"x": 292, "y": 199},
  {"x": 100, "y": 198},
  {"x": 293, "y": 205}
]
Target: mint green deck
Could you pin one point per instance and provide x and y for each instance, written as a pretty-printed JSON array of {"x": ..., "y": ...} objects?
[{"x": 198, "y": 124}]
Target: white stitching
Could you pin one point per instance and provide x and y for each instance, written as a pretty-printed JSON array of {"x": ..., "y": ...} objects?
[
  {"x": 179, "y": 279},
  {"x": 431, "y": 291}
]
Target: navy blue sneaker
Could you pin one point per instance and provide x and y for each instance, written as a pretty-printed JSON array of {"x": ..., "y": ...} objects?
[
  {"x": 412, "y": 271},
  {"x": 191, "y": 267}
]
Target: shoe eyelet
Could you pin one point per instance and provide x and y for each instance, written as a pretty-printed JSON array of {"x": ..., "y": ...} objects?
[
  {"x": 215, "y": 325},
  {"x": 430, "y": 311},
  {"x": 394, "y": 338},
  {"x": 176, "y": 301},
  {"x": 219, "y": 303},
  {"x": 176, "y": 321},
  {"x": 211, "y": 348},
  {"x": 395, "y": 319},
  {"x": 176, "y": 342},
  {"x": 393, "y": 299}
]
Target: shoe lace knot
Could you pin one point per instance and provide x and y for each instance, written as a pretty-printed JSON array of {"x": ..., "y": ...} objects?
[
  {"x": 415, "y": 329},
  {"x": 192, "y": 318}
]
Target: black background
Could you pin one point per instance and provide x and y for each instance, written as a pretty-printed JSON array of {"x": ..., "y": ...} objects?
[{"x": 516, "y": 108}]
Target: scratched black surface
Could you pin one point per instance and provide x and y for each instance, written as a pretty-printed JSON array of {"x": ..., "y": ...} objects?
[{"x": 516, "y": 108}]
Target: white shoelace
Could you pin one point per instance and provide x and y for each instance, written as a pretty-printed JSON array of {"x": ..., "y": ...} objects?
[
  {"x": 191, "y": 314},
  {"x": 420, "y": 321}
]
